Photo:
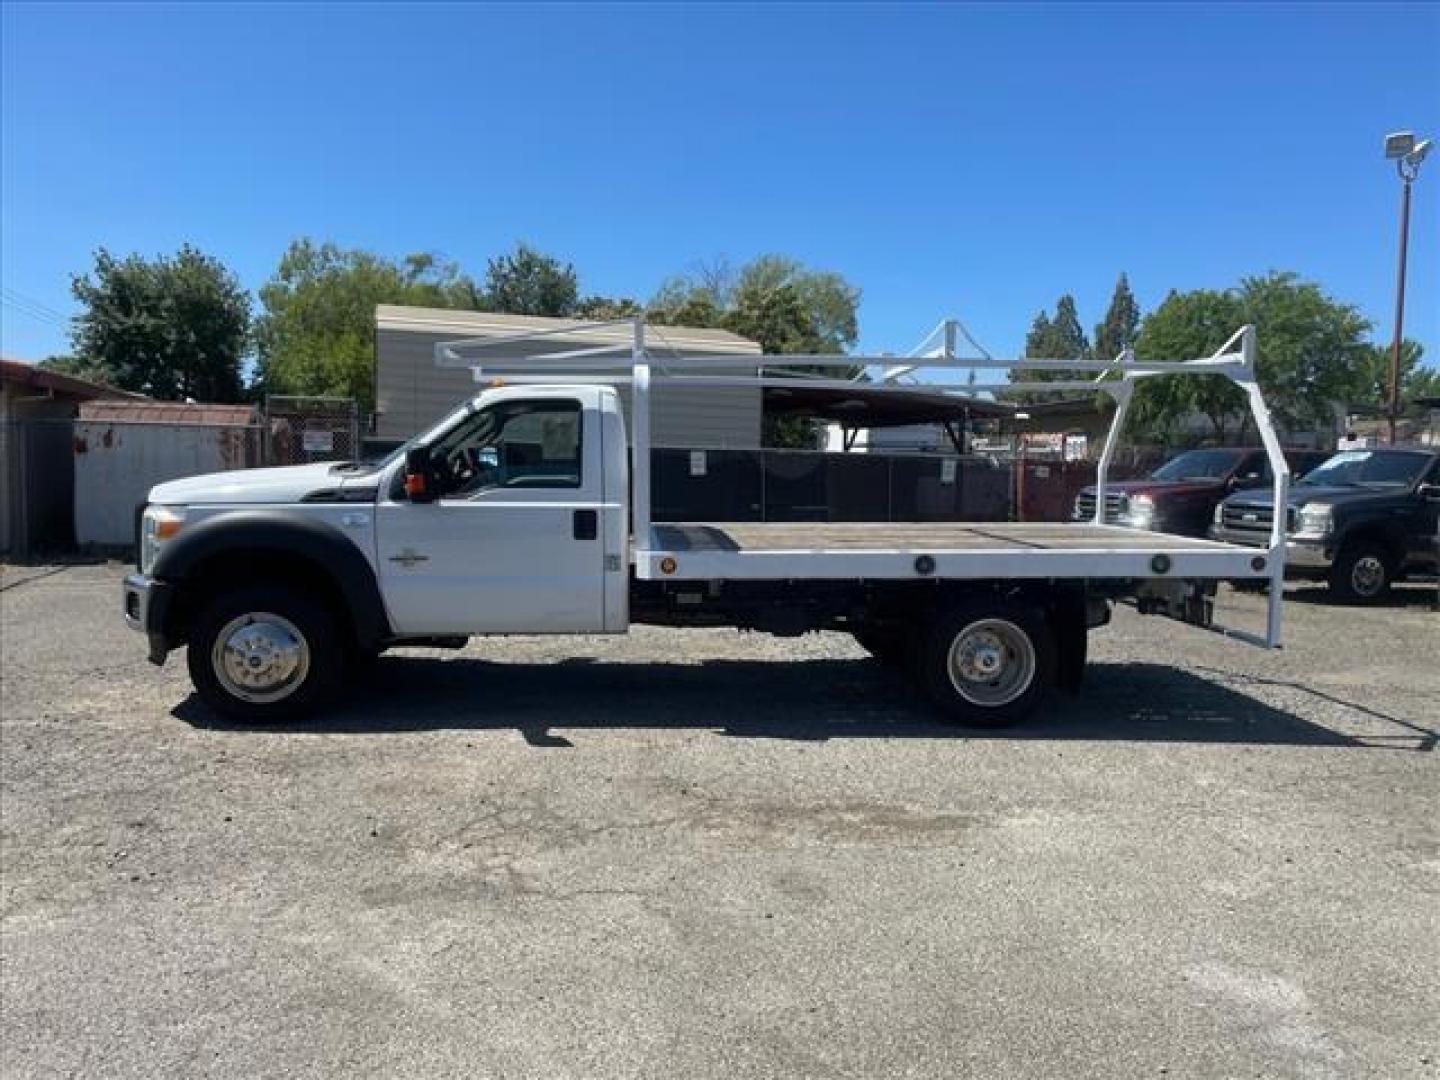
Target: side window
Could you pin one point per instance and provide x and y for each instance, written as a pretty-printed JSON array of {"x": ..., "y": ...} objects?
[
  {"x": 514, "y": 444},
  {"x": 1254, "y": 465}
]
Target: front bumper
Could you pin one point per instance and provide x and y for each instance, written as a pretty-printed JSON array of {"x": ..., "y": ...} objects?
[
  {"x": 145, "y": 603},
  {"x": 1309, "y": 554},
  {"x": 1300, "y": 553},
  {"x": 1154, "y": 523}
]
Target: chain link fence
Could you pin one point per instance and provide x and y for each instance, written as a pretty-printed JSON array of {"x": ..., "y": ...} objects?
[{"x": 305, "y": 429}]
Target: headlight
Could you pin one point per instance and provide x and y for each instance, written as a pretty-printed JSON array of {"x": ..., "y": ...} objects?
[
  {"x": 1316, "y": 519},
  {"x": 158, "y": 525},
  {"x": 1140, "y": 511}
]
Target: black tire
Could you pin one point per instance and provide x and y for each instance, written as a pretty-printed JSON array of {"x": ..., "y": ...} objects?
[
  {"x": 891, "y": 645},
  {"x": 1028, "y": 648},
  {"x": 1362, "y": 573},
  {"x": 319, "y": 657}
]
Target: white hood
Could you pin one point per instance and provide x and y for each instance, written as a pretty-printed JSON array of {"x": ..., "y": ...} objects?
[{"x": 284, "y": 485}]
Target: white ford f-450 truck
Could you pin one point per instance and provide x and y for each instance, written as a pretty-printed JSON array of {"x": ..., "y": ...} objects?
[{"x": 525, "y": 511}]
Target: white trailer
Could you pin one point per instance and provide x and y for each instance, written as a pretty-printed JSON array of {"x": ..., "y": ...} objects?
[{"x": 524, "y": 512}]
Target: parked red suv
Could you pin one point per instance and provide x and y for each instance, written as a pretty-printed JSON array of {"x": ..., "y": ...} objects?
[{"x": 1180, "y": 496}]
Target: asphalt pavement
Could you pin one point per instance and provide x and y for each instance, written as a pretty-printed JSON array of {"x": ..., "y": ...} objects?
[{"x": 678, "y": 855}]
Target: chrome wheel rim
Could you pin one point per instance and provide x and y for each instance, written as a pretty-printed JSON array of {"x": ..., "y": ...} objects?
[
  {"x": 260, "y": 657},
  {"x": 1367, "y": 577},
  {"x": 991, "y": 662}
]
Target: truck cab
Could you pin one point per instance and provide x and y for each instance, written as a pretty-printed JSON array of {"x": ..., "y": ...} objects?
[
  {"x": 514, "y": 520},
  {"x": 508, "y": 516}
]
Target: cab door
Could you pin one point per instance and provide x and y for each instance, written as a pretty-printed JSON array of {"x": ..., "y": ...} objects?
[
  {"x": 512, "y": 545},
  {"x": 1423, "y": 519}
]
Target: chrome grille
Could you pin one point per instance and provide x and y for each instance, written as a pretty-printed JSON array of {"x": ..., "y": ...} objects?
[
  {"x": 1115, "y": 505},
  {"x": 1253, "y": 519}
]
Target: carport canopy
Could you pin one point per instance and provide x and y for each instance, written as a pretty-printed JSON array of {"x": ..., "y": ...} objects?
[{"x": 879, "y": 405}]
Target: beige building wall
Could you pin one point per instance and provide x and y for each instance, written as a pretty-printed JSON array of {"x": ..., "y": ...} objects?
[{"x": 411, "y": 392}]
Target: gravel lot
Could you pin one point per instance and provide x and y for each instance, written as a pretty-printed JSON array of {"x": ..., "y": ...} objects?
[{"x": 671, "y": 856}]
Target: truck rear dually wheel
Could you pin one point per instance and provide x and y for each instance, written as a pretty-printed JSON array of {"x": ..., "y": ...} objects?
[
  {"x": 987, "y": 663},
  {"x": 265, "y": 652}
]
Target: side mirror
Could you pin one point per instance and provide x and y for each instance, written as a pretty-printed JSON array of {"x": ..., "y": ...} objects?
[{"x": 420, "y": 481}]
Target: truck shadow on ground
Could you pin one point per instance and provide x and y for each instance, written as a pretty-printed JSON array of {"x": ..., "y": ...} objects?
[
  {"x": 809, "y": 700},
  {"x": 1420, "y": 595}
]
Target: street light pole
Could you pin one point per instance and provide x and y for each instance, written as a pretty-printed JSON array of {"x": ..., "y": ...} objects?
[
  {"x": 1402, "y": 148},
  {"x": 1394, "y": 387}
]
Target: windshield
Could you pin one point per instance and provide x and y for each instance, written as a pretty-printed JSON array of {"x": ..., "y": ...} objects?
[
  {"x": 1358, "y": 468},
  {"x": 1198, "y": 465},
  {"x": 400, "y": 451}
]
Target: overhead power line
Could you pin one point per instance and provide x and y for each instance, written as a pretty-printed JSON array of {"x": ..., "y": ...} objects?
[{"x": 32, "y": 308}]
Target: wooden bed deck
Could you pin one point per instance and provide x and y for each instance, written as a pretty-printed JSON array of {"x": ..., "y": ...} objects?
[{"x": 743, "y": 537}]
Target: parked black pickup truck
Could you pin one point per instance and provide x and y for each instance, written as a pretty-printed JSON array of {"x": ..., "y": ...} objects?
[{"x": 1362, "y": 520}]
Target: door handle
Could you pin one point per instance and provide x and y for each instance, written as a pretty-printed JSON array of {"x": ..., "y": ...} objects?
[{"x": 586, "y": 525}]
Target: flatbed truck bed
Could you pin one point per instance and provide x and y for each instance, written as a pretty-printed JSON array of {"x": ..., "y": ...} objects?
[
  {"x": 754, "y": 537},
  {"x": 888, "y": 551}
]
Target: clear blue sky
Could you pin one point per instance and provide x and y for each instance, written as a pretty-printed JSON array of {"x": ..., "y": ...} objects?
[{"x": 967, "y": 160}]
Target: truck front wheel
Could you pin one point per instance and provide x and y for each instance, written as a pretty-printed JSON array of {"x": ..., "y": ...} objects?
[
  {"x": 987, "y": 664},
  {"x": 265, "y": 653},
  {"x": 1362, "y": 573}
]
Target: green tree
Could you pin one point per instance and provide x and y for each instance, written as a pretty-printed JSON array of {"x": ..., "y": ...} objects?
[
  {"x": 1186, "y": 326},
  {"x": 606, "y": 308},
  {"x": 77, "y": 368},
  {"x": 779, "y": 303},
  {"x": 1311, "y": 355},
  {"x": 1311, "y": 347},
  {"x": 682, "y": 303},
  {"x": 316, "y": 334},
  {"x": 527, "y": 282},
  {"x": 1121, "y": 324},
  {"x": 172, "y": 327},
  {"x": 1066, "y": 339},
  {"x": 1058, "y": 338},
  {"x": 825, "y": 305},
  {"x": 774, "y": 300},
  {"x": 1416, "y": 380},
  {"x": 1038, "y": 336}
]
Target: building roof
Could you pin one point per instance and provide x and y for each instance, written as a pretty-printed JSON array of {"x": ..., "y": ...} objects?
[
  {"x": 572, "y": 333},
  {"x": 167, "y": 412},
  {"x": 37, "y": 378},
  {"x": 871, "y": 406}
]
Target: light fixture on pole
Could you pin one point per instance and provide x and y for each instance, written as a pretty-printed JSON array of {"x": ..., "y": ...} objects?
[{"x": 1402, "y": 148}]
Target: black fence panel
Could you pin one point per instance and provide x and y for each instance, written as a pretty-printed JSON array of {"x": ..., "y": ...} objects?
[
  {"x": 38, "y": 489},
  {"x": 799, "y": 485},
  {"x": 706, "y": 485},
  {"x": 857, "y": 487}
]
